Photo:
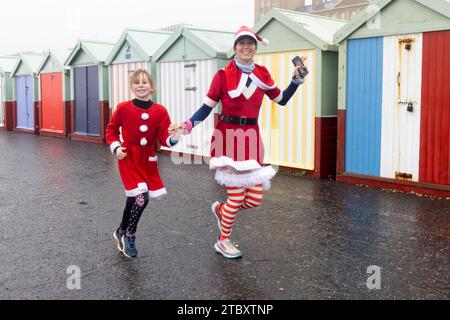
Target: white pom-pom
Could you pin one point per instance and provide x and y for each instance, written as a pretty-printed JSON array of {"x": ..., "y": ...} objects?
[{"x": 265, "y": 42}]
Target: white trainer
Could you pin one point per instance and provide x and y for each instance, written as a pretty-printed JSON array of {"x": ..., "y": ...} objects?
[{"x": 227, "y": 249}]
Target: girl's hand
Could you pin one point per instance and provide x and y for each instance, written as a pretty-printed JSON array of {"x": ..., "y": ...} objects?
[
  {"x": 120, "y": 153},
  {"x": 175, "y": 128}
]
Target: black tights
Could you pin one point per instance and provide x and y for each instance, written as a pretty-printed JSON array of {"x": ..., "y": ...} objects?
[{"x": 133, "y": 211}]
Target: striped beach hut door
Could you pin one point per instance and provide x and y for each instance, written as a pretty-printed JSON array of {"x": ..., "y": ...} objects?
[
  {"x": 184, "y": 85},
  {"x": 25, "y": 102},
  {"x": 402, "y": 76},
  {"x": 2, "y": 104},
  {"x": 288, "y": 131},
  {"x": 120, "y": 81}
]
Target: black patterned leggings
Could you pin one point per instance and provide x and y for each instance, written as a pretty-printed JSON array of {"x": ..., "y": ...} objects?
[{"x": 133, "y": 211}]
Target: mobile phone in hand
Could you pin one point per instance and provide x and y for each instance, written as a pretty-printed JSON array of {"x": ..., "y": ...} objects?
[{"x": 297, "y": 61}]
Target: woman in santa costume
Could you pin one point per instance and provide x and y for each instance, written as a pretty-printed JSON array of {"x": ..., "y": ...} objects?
[
  {"x": 132, "y": 133},
  {"x": 237, "y": 150}
]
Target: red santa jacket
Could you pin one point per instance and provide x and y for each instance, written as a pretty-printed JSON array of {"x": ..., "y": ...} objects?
[{"x": 138, "y": 130}]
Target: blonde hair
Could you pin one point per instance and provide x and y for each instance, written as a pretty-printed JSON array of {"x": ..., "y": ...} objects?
[{"x": 136, "y": 75}]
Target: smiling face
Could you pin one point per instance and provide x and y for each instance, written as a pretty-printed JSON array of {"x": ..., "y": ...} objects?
[
  {"x": 142, "y": 86},
  {"x": 245, "y": 50}
]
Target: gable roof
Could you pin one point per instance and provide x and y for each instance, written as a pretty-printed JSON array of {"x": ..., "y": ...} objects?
[
  {"x": 97, "y": 51},
  {"x": 318, "y": 30},
  {"x": 7, "y": 63},
  {"x": 146, "y": 42},
  {"x": 214, "y": 43},
  {"x": 440, "y": 6},
  {"x": 30, "y": 60},
  {"x": 59, "y": 56}
]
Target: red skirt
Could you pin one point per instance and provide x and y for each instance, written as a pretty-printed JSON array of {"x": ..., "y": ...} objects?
[{"x": 139, "y": 171}]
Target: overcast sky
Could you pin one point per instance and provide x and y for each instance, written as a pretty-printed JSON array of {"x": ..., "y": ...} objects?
[{"x": 38, "y": 25}]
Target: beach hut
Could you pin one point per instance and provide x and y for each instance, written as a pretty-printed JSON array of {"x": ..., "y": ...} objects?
[
  {"x": 89, "y": 90},
  {"x": 301, "y": 136},
  {"x": 394, "y": 97},
  {"x": 54, "y": 113},
  {"x": 134, "y": 50},
  {"x": 186, "y": 63},
  {"x": 7, "y": 64},
  {"x": 26, "y": 92}
]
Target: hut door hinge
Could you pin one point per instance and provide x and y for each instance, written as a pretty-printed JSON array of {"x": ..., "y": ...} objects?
[
  {"x": 190, "y": 88},
  {"x": 190, "y": 65},
  {"x": 403, "y": 176}
]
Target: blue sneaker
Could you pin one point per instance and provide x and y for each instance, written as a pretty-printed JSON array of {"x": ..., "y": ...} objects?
[
  {"x": 129, "y": 246},
  {"x": 118, "y": 237}
]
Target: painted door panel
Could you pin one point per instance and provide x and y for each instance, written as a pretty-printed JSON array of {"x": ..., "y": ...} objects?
[
  {"x": 120, "y": 81},
  {"x": 434, "y": 162},
  {"x": 93, "y": 107},
  {"x": 401, "y": 107},
  {"x": 288, "y": 131},
  {"x": 51, "y": 102},
  {"x": 184, "y": 85},
  {"x": 25, "y": 102},
  {"x": 2, "y": 103},
  {"x": 80, "y": 79},
  {"x": 87, "y": 108},
  {"x": 363, "y": 114}
]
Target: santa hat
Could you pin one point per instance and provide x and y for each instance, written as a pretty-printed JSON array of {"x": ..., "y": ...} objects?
[{"x": 245, "y": 31}]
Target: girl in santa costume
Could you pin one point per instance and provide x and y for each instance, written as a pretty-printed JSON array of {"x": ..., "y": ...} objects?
[
  {"x": 237, "y": 150},
  {"x": 132, "y": 133}
]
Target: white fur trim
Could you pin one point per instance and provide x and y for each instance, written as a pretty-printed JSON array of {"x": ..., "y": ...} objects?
[
  {"x": 279, "y": 98},
  {"x": 143, "y": 142},
  {"x": 114, "y": 145},
  {"x": 155, "y": 158},
  {"x": 249, "y": 91},
  {"x": 157, "y": 193},
  {"x": 145, "y": 116},
  {"x": 246, "y": 180},
  {"x": 265, "y": 42},
  {"x": 237, "y": 92},
  {"x": 261, "y": 84},
  {"x": 238, "y": 165},
  {"x": 141, "y": 188},
  {"x": 210, "y": 102},
  {"x": 245, "y": 33}
]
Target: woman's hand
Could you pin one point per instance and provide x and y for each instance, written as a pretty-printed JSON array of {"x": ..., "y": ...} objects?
[
  {"x": 120, "y": 153},
  {"x": 297, "y": 70}
]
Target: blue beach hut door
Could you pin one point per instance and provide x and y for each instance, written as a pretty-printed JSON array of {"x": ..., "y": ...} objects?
[
  {"x": 87, "y": 110},
  {"x": 25, "y": 102}
]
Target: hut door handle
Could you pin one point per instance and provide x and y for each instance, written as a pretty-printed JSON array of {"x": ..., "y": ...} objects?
[{"x": 398, "y": 78}]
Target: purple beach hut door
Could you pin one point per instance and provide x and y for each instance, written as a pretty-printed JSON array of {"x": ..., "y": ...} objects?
[{"x": 25, "y": 102}]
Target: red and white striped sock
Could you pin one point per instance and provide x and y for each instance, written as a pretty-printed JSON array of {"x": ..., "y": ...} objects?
[
  {"x": 229, "y": 210},
  {"x": 253, "y": 197}
]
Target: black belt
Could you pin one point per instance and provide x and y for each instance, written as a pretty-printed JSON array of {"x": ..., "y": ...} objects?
[{"x": 242, "y": 121}]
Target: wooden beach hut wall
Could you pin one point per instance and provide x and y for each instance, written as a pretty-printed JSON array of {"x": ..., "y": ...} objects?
[
  {"x": 26, "y": 93},
  {"x": 89, "y": 90},
  {"x": 7, "y": 64},
  {"x": 394, "y": 97},
  {"x": 54, "y": 113},
  {"x": 134, "y": 50},
  {"x": 186, "y": 64},
  {"x": 300, "y": 136}
]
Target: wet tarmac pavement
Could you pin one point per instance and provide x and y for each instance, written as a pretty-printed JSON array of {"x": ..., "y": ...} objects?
[{"x": 61, "y": 200}]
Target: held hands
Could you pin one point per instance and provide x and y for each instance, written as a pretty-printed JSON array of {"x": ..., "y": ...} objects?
[
  {"x": 176, "y": 130},
  {"x": 120, "y": 153}
]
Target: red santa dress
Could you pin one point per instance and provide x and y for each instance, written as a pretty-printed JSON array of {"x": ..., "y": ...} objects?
[
  {"x": 140, "y": 129},
  {"x": 237, "y": 151}
]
